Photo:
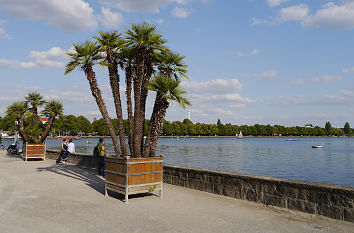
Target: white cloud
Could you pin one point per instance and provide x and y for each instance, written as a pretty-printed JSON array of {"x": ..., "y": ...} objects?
[
  {"x": 293, "y": 13},
  {"x": 4, "y": 35},
  {"x": 333, "y": 16},
  {"x": 55, "y": 57},
  {"x": 216, "y": 86},
  {"x": 152, "y": 6},
  {"x": 273, "y": 3},
  {"x": 110, "y": 19},
  {"x": 68, "y": 15},
  {"x": 330, "y": 16},
  {"x": 349, "y": 70},
  {"x": 217, "y": 98},
  {"x": 159, "y": 21},
  {"x": 180, "y": 12},
  {"x": 266, "y": 74},
  {"x": 14, "y": 64},
  {"x": 251, "y": 53},
  {"x": 321, "y": 79}
]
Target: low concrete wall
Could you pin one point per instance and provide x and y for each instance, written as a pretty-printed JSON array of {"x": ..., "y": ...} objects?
[
  {"x": 82, "y": 160},
  {"x": 323, "y": 199}
]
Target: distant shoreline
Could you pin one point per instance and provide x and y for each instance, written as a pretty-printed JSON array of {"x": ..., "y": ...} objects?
[{"x": 223, "y": 137}]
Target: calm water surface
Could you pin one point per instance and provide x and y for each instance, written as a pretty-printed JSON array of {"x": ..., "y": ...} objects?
[{"x": 277, "y": 157}]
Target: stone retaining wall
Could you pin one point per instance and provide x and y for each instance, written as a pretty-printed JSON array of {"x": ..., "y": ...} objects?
[
  {"x": 323, "y": 199},
  {"x": 82, "y": 160}
]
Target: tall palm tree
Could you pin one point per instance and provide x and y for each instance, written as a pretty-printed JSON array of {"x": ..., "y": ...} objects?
[
  {"x": 166, "y": 89},
  {"x": 18, "y": 111},
  {"x": 36, "y": 100},
  {"x": 145, "y": 39},
  {"x": 51, "y": 110},
  {"x": 85, "y": 56},
  {"x": 126, "y": 58},
  {"x": 111, "y": 42},
  {"x": 171, "y": 64}
]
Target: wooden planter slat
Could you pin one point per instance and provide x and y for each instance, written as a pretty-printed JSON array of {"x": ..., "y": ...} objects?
[
  {"x": 34, "y": 151},
  {"x": 134, "y": 175}
]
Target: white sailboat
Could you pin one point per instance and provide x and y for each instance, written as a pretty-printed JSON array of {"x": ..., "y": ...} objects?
[{"x": 240, "y": 135}]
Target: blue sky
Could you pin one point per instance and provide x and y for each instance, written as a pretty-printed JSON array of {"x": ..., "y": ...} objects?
[{"x": 283, "y": 62}]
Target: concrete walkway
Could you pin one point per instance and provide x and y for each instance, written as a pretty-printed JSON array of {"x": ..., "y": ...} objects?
[{"x": 41, "y": 196}]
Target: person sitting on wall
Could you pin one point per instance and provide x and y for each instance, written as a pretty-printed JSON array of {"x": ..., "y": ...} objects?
[
  {"x": 64, "y": 150},
  {"x": 71, "y": 147}
]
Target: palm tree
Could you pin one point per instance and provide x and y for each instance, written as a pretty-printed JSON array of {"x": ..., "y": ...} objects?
[
  {"x": 36, "y": 100},
  {"x": 145, "y": 39},
  {"x": 18, "y": 110},
  {"x": 171, "y": 64},
  {"x": 51, "y": 110},
  {"x": 126, "y": 57},
  {"x": 111, "y": 42},
  {"x": 166, "y": 89},
  {"x": 85, "y": 56}
]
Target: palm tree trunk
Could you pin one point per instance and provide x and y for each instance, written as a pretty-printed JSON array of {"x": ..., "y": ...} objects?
[
  {"x": 137, "y": 84},
  {"x": 147, "y": 145},
  {"x": 47, "y": 129},
  {"x": 144, "y": 93},
  {"x": 114, "y": 81},
  {"x": 96, "y": 93},
  {"x": 22, "y": 129},
  {"x": 157, "y": 128},
  {"x": 35, "y": 117},
  {"x": 128, "y": 82}
]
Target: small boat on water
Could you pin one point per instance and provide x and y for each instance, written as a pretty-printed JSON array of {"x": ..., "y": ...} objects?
[
  {"x": 240, "y": 135},
  {"x": 290, "y": 139},
  {"x": 318, "y": 146}
]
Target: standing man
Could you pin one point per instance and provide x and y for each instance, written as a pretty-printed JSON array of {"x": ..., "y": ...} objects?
[
  {"x": 71, "y": 147},
  {"x": 102, "y": 157}
]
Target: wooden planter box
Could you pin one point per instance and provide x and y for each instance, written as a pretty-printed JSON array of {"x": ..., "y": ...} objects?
[
  {"x": 34, "y": 151},
  {"x": 134, "y": 175}
]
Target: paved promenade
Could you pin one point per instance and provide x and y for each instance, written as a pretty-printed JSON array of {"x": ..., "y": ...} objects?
[{"x": 42, "y": 196}]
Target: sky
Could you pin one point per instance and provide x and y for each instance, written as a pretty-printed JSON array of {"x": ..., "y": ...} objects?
[{"x": 284, "y": 62}]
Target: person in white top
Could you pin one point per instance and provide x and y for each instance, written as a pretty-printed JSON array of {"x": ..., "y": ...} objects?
[{"x": 71, "y": 147}]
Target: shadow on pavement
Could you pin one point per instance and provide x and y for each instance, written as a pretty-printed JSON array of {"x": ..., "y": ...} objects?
[
  {"x": 74, "y": 172},
  {"x": 89, "y": 177}
]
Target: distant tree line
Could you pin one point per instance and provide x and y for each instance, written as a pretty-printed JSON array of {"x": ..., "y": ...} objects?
[{"x": 72, "y": 125}]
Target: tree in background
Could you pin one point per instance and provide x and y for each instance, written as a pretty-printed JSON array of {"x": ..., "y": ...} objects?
[
  {"x": 36, "y": 100},
  {"x": 84, "y": 124},
  {"x": 328, "y": 128},
  {"x": 20, "y": 111},
  {"x": 347, "y": 130},
  {"x": 51, "y": 110}
]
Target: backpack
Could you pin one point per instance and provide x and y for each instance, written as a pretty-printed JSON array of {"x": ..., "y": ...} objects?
[{"x": 95, "y": 151}]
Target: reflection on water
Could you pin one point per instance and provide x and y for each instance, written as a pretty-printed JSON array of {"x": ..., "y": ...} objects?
[{"x": 275, "y": 157}]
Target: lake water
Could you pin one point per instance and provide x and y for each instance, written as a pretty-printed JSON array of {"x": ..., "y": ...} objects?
[{"x": 268, "y": 156}]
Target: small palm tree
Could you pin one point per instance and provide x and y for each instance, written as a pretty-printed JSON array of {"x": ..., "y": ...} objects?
[
  {"x": 51, "y": 110},
  {"x": 171, "y": 64},
  {"x": 111, "y": 43},
  {"x": 85, "y": 56},
  {"x": 146, "y": 41},
  {"x": 36, "y": 100},
  {"x": 18, "y": 110},
  {"x": 166, "y": 89}
]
